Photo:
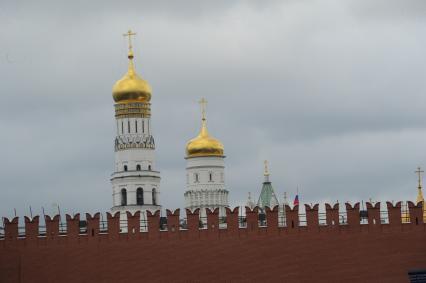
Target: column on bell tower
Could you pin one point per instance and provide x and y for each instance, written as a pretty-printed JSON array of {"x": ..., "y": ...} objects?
[{"x": 136, "y": 180}]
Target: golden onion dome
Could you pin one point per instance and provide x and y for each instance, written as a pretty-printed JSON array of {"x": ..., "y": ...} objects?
[
  {"x": 131, "y": 87},
  {"x": 204, "y": 144}
]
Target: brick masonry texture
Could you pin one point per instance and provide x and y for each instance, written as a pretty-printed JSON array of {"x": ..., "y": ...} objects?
[{"x": 354, "y": 252}]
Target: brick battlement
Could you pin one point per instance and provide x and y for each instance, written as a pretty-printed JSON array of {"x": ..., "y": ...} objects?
[
  {"x": 352, "y": 245},
  {"x": 233, "y": 225}
]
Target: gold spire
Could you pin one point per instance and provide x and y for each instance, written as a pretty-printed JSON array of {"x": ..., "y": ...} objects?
[
  {"x": 419, "y": 186},
  {"x": 131, "y": 88},
  {"x": 204, "y": 144}
]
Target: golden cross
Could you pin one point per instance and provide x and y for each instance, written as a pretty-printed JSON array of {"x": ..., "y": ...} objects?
[
  {"x": 203, "y": 103},
  {"x": 129, "y": 34},
  {"x": 419, "y": 173},
  {"x": 266, "y": 168}
]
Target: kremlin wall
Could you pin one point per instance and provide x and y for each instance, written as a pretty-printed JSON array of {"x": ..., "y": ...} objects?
[{"x": 384, "y": 249}]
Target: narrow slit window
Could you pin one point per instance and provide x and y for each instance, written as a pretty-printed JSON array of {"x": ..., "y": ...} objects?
[
  {"x": 154, "y": 197},
  {"x": 139, "y": 196},
  {"x": 123, "y": 197},
  {"x": 122, "y": 127},
  {"x": 136, "y": 126},
  {"x": 128, "y": 127}
]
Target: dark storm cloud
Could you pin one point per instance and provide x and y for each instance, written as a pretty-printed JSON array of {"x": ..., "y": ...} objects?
[{"x": 331, "y": 92}]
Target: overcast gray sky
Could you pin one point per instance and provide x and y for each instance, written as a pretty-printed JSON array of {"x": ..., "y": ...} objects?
[{"x": 331, "y": 92}]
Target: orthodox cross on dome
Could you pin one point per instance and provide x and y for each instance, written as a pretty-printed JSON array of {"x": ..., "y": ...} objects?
[
  {"x": 203, "y": 104},
  {"x": 419, "y": 193},
  {"x": 266, "y": 171},
  {"x": 129, "y": 34},
  {"x": 419, "y": 173}
]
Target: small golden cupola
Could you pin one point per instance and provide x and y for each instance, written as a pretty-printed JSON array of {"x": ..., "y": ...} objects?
[
  {"x": 204, "y": 144},
  {"x": 131, "y": 87}
]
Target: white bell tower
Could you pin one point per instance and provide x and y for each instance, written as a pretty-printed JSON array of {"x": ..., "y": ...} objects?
[
  {"x": 205, "y": 172},
  {"x": 136, "y": 180}
]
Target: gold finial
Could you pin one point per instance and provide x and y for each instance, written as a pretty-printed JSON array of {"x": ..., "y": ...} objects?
[
  {"x": 129, "y": 34},
  {"x": 266, "y": 171},
  {"x": 419, "y": 173},
  {"x": 419, "y": 187}
]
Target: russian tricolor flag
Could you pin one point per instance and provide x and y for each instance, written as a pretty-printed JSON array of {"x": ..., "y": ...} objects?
[{"x": 296, "y": 200}]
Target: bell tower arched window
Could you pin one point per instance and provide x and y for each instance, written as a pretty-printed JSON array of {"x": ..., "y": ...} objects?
[
  {"x": 154, "y": 196},
  {"x": 139, "y": 196},
  {"x": 125, "y": 167},
  {"x": 138, "y": 167},
  {"x": 123, "y": 197}
]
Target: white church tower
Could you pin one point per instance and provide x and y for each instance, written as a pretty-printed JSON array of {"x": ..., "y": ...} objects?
[
  {"x": 136, "y": 180},
  {"x": 205, "y": 176}
]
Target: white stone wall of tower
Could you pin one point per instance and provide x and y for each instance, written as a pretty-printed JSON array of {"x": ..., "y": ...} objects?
[
  {"x": 205, "y": 178},
  {"x": 145, "y": 176},
  {"x": 136, "y": 156}
]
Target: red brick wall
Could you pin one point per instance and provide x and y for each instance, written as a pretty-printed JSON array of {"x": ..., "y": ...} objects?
[{"x": 338, "y": 253}]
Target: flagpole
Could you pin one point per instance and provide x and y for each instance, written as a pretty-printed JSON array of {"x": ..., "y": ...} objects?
[{"x": 44, "y": 215}]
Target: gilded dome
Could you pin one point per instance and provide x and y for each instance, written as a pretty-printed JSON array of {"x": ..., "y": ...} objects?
[
  {"x": 204, "y": 144},
  {"x": 131, "y": 87}
]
